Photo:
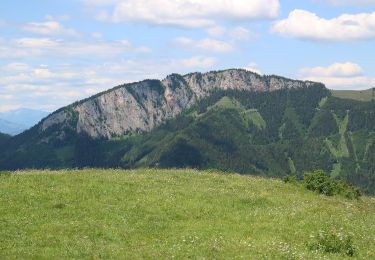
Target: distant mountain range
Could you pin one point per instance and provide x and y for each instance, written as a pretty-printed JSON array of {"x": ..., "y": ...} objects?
[
  {"x": 16, "y": 121},
  {"x": 233, "y": 120},
  {"x": 3, "y": 138},
  {"x": 11, "y": 128}
]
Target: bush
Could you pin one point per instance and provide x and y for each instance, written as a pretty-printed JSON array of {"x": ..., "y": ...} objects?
[
  {"x": 320, "y": 182},
  {"x": 333, "y": 241},
  {"x": 290, "y": 179}
]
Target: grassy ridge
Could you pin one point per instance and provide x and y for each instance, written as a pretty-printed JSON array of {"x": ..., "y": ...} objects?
[
  {"x": 359, "y": 95},
  {"x": 171, "y": 213}
]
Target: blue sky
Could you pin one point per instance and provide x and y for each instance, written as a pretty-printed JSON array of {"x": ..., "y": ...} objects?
[{"x": 53, "y": 53}]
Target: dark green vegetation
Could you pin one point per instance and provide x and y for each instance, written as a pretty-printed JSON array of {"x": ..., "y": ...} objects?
[
  {"x": 360, "y": 95},
  {"x": 161, "y": 214},
  {"x": 3, "y": 138},
  {"x": 333, "y": 241},
  {"x": 275, "y": 134},
  {"x": 321, "y": 183}
]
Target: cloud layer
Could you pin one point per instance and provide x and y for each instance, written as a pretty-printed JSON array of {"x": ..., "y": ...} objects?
[
  {"x": 31, "y": 47},
  {"x": 185, "y": 13},
  {"x": 50, "y": 87},
  {"x": 349, "y": 2},
  {"x": 204, "y": 45},
  {"x": 339, "y": 76},
  {"x": 49, "y": 28},
  {"x": 306, "y": 25}
]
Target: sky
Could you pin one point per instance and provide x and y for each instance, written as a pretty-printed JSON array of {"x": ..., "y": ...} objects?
[{"x": 53, "y": 53}]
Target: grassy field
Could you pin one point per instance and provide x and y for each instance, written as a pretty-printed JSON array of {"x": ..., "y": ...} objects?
[
  {"x": 167, "y": 214},
  {"x": 360, "y": 95}
]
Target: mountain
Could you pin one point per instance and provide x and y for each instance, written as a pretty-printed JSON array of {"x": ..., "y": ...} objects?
[
  {"x": 141, "y": 106},
  {"x": 16, "y": 121},
  {"x": 11, "y": 128},
  {"x": 3, "y": 137},
  {"x": 231, "y": 120}
]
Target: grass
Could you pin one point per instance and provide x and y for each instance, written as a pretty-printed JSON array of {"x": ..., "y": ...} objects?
[
  {"x": 167, "y": 214},
  {"x": 227, "y": 102},
  {"x": 342, "y": 149},
  {"x": 359, "y": 95},
  {"x": 249, "y": 116},
  {"x": 253, "y": 116}
]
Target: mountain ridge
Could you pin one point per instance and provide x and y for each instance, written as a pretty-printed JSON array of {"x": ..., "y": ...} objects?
[{"x": 99, "y": 118}]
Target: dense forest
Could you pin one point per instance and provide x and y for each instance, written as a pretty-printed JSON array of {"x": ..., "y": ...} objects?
[
  {"x": 3, "y": 137},
  {"x": 284, "y": 132}
]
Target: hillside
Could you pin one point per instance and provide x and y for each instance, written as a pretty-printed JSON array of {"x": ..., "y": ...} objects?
[
  {"x": 3, "y": 137},
  {"x": 278, "y": 133},
  {"x": 273, "y": 134},
  {"x": 359, "y": 95},
  {"x": 174, "y": 214}
]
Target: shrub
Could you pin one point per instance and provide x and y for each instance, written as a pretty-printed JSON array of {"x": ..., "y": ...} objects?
[
  {"x": 290, "y": 179},
  {"x": 333, "y": 241},
  {"x": 348, "y": 190},
  {"x": 320, "y": 182}
]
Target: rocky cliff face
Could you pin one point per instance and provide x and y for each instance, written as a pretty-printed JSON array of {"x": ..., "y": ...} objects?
[{"x": 139, "y": 107}]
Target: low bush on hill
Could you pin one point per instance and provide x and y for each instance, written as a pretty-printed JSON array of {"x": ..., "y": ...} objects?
[
  {"x": 333, "y": 241},
  {"x": 321, "y": 183}
]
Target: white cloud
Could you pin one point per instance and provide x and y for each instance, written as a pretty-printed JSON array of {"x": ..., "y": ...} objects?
[
  {"x": 237, "y": 33},
  {"x": 101, "y": 2},
  {"x": 306, "y": 25},
  {"x": 16, "y": 66},
  {"x": 64, "y": 17},
  {"x": 185, "y": 13},
  {"x": 241, "y": 33},
  {"x": 97, "y": 35},
  {"x": 50, "y": 87},
  {"x": 347, "y": 69},
  {"x": 254, "y": 68},
  {"x": 216, "y": 31},
  {"x": 198, "y": 62},
  {"x": 47, "y": 47},
  {"x": 36, "y": 43},
  {"x": 49, "y": 27},
  {"x": 6, "y": 96},
  {"x": 6, "y": 107},
  {"x": 349, "y": 2},
  {"x": 205, "y": 44},
  {"x": 339, "y": 76}
]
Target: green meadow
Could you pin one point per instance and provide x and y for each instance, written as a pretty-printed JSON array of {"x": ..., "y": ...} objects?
[{"x": 165, "y": 214}]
